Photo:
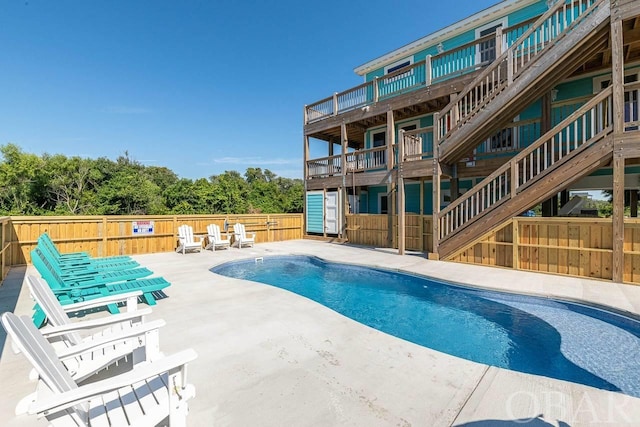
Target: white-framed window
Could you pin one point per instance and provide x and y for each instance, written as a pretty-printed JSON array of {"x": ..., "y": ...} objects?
[
  {"x": 395, "y": 67},
  {"x": 504, "y": 140},
  {"x": 631, "y": 97},
  {"x": 486, "y": 50}
]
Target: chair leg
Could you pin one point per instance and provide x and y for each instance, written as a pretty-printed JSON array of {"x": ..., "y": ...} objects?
[{"x": 149, "y": 299}]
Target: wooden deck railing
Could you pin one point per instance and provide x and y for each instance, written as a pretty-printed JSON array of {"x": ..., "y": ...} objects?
[
  {"x": 364, "y": 160},
  {"x": 418, "y": 144},
  {"x": 324, "y": 167},
  {"x": 554, "y": 24},
  {"x": 433, "y": 69},
  {"x": 5, "y": 256},
  {"x": 583, "y": 128}
]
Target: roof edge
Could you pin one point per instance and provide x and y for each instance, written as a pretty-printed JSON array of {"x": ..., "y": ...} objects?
[{"x": 477, "y": 19}]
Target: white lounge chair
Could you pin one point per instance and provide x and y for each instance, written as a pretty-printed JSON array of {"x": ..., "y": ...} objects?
[
  {"x": 123, "y": 334},
  {"x": 241, "y": 236},
  {"x": 215, "y": 238},
  {"x": 145, "y": 396},
  {"x": 188, "y": 241}
]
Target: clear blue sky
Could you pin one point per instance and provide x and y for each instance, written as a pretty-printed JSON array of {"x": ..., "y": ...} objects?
[{"x": 198, "y": 86}]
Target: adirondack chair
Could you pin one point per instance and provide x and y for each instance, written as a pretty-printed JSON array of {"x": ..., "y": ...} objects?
[
  {"x": 41, "y": 259},
  {"x": 187, "y": 241},
  {"x": 144, "y": 396},
  {"x": 215, "y": 238},
  {"x": 241, "y": 236},
  {"x": 66, "y": 264},
  {"x": 45, "y": 239}
]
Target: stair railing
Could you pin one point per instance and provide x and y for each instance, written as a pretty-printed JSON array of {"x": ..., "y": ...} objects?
[
  {"x": 554, "y": 24},
  {"x": 583, "y": 128}
]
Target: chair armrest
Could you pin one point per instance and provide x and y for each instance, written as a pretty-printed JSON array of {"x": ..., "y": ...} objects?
[
  {"x": 100, "y": 302},
  {"x": 55, "y": 331},
  {"x": 61, "y": 401},
  {"x": 108, "y": 340}
]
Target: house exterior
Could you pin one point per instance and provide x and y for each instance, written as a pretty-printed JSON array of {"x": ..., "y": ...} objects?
[{"x": 482, "y": 120}]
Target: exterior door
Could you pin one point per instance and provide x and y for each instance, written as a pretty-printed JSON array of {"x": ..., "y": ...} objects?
[{"x": 332, "y": 212}]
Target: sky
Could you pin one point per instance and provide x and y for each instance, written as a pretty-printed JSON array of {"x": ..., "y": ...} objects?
[{"x": 200, "y": 87}]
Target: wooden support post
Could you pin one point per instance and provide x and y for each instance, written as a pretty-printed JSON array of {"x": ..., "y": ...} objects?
[
  {"x": 618, "y": 218},
  {"x": 391, "y": 139},
  {"x": 509, "y": 66},
  {"x": 335, "y": 104},
  {"x": 343, "y": 153},
  {"x": 454, "y": 188},
  {"x": 421, "y": 225},
  {"x": 617, "y": 73},
  {"x": 305, "y": 169},
  {"x": 516, "y": 242},
  {"x": 428, "y": 71},
  {"x": 617, "y": 76},
  {"x": 401, "y": 201},
  {"x": 330, "y": 152},
  {"x": 437, "y": 171}
]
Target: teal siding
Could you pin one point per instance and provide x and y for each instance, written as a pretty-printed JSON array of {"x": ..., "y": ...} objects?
[
  {"x": 412, "y": 198},
  {"x": 315, "y": 216},
  {"x": 373, "y": 198},
  {"x": 364, "y": 203}
]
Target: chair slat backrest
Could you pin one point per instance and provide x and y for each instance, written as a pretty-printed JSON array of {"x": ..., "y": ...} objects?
[
  {"x": 46, "y": 241},
  {"x": 186, "y": 232},
  {"x": 43, "y": 358},
  {"x": 39, "y": 352},
  {"x": 214, "y": 232},
  {"x": 239, "y": 230},
  {"x": 48, "y": 302},
  {"x": 44, "y": 267}
]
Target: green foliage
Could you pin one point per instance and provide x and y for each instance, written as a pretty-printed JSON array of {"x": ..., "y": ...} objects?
[{"x": 60, "y": 185}]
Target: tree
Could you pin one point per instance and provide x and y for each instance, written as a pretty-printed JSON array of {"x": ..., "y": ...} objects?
[{"x": 20, "y": 189}]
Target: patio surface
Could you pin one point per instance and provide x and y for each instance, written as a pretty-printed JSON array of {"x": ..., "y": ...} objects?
[{"x": 267, "y": 357}]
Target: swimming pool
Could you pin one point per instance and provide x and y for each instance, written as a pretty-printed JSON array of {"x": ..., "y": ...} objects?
[{"x": 557, "y": 339}]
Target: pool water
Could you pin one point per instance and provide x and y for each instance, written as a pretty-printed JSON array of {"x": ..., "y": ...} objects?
[{"x": 557, "y": 339}]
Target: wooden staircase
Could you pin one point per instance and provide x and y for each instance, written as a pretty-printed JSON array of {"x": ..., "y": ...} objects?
[
  {"x": 579, "y": 145},
  {"x": 548, "y": 52}
]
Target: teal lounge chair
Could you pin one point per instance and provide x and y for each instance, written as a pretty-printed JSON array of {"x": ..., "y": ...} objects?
[
  {"x": 69, "y": 292},
  {"x": 88, "y": 275},
  {"x": 81, "y": 258}
]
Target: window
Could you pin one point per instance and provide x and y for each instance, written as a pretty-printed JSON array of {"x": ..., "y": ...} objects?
[
  {"x": 395, "y": 67},
  {"x": 631, "y": 98},
  {"x": 504, "y": 140},
  {"x": 486, "y": 50},
  {"x": 383, "y": 204},
  {"x": 379, "y": 158}
]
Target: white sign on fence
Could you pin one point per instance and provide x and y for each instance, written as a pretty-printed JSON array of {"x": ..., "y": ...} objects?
[{"x": 142, "y": 228}]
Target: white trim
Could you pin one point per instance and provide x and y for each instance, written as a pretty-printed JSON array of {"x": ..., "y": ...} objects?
[
  {"x": 597, "y": 81},
  {"x": 395, "y": 64},
  {"x": 498, "y": 22},
  {"x": 492, "y": 13},
  {"x": 411, "y": 122}
]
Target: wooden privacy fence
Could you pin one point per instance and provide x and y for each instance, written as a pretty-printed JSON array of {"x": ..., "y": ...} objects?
[
  {"x": 373, "y": 230},
  {"x": 5, "y": 223},
  {"x": 130, "y": 235},
  {"x": 580, "y": 247}
]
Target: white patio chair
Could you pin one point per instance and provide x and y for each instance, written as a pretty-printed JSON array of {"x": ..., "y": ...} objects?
[
  {"x": 241, "y": 236},
  {"x": 144, "y": 396},
  {"x": 187, "y": 240},
  {"x": 125, "y": 332},
  {"x": 215, "y": 238}
]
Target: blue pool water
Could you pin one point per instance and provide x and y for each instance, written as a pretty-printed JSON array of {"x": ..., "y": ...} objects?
[{"x": 557, "y": 339}]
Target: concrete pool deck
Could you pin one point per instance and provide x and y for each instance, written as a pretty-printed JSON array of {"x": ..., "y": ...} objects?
[{"x": 267, "y": 357}]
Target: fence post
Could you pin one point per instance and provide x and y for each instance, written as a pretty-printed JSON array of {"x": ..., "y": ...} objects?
[
  {"x": 428, "y": 71},
  {"x": 335, "y": 103},
  {"x": 516, "y": 241},
  {"x": 509, "y": 66},
  {"x": 105, "y": 241},
  {"x": 514, "y": 178}
]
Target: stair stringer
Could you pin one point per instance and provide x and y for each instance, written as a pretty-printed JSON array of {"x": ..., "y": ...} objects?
[
  {"x": 542, "y": 74},
  {"x": 591, "y": 159}
]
